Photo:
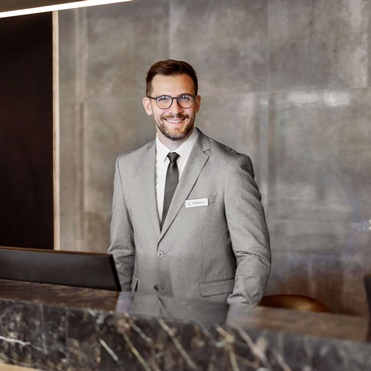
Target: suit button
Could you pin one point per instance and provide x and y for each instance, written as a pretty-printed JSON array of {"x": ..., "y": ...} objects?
[
  {"x": 160, "y": 254},
  {"x": 156, "y": 287}
]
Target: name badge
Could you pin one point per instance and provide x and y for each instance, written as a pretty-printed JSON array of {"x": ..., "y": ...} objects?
[{"x": 197, "y": 202}]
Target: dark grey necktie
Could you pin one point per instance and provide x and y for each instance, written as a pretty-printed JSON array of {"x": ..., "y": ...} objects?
[{"x": 172, "y": 177}]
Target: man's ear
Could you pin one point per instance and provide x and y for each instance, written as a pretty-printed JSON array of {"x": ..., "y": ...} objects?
[
  {"x": 147, "y": 105},
  {"x": 197, "y": 103}
]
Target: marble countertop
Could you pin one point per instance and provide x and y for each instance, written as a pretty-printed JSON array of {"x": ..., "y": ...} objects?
[{"x": 69, "y": 328}]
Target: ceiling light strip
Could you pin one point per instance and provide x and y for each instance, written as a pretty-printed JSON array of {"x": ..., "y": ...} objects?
[{"x": 56, "y": 7}]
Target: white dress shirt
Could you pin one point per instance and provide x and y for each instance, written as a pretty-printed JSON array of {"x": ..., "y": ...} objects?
[{"x": 162, "y": 162}]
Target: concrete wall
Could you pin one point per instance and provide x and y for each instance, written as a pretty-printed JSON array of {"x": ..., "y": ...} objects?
[{"x": 285, "y": 81}]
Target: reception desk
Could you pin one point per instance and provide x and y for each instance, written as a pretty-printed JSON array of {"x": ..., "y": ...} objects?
[{"x": 50, "y": 327}]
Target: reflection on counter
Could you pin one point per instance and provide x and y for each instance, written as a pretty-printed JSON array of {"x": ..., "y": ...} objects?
[{"x": 172, "y": 308}]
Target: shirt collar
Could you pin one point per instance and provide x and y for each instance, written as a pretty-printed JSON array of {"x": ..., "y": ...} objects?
[{"x": 183, "y": 150}]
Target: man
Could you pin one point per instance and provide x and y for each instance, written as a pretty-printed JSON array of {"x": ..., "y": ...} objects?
[{"x": 209, "y": 240}]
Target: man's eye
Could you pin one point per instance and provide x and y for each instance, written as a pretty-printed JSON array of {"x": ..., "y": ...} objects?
[
  {"x": 185, "y": 98},
  {"x": 163, "y": 99}
]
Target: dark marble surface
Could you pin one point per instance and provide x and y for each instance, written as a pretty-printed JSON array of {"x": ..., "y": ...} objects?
[{"x": 67, "y": 328}]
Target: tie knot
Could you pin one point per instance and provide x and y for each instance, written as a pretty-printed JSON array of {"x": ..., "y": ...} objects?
[{"x": 173, "y": 156}]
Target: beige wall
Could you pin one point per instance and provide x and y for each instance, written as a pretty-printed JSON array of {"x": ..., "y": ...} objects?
[{"x": 285, "y": 81}]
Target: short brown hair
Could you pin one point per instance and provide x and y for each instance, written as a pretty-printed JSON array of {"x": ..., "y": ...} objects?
[{"x": 170, "y": 67}]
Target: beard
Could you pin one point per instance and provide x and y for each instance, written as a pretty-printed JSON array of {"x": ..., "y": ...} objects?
[{"x": 175, "y": 134}]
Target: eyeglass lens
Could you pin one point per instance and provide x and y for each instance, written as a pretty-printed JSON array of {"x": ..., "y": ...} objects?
[{"x": 184, "y": 101}]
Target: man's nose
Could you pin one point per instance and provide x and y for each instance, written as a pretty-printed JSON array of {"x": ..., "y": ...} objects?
[{"x": 175, "y": 107}]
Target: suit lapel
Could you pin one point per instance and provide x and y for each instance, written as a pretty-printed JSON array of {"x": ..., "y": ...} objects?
[
  {"x": 196, "y": 161},
  {"x": 148, "y": 186}
]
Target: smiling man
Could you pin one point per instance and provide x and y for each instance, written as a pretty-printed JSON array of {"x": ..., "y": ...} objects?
[
  {"x": 187, "y": 219},
  {"x": 174, "y": 122}
]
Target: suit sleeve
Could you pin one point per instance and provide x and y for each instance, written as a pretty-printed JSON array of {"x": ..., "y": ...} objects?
[
  {"x": 121, "y": 241},
  {"x": 248, "y": 232}
]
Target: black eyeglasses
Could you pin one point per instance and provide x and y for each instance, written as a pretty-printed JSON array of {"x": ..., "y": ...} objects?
[{"x": 165, "y": 101}]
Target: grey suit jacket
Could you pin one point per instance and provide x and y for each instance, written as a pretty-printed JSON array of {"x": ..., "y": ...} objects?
[{"x": 214, "y": 252}]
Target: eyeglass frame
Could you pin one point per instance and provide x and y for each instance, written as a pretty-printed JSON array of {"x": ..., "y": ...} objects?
[{"x": 172, "y": 100}]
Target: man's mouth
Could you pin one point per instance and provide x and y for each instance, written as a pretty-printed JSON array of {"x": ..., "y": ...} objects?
[{"x": 175, "y": 120}]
